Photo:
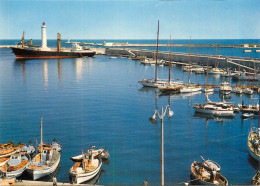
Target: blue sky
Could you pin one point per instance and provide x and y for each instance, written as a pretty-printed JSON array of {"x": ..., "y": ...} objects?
[{"x": 131, "y": 19}]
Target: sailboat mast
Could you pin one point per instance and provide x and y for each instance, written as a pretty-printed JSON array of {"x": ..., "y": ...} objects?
[
  {"x": 170, "y": 60},
  {"x": 189, "y": 60},
  {"x": 41, "y": 137},
  {"x": 157, "y": 53},
  {"x": 216, "y": 55},
  {"x": 207, "y": 81}
]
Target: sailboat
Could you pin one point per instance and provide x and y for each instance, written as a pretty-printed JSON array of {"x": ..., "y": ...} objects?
[
  {"x": 216, "y": 70},
  {"x": 45, "y": 162},
  {"x": 208, "y": 89},
  {"x": 190, "y": 88},
  {"x": 237, "y": 89},
  {"x": 172, "y": 86},
  {"x": 253, "y": 141},
  {"x": 150, "y": 82}
]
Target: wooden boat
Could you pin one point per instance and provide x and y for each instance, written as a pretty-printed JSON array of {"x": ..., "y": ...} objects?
[
  {"x": 12, "y": 149},
  {"x": 256, "y": 179},
  {"x": 45, "y": 162},
  {"x": 15, "y": 166},
  {"x": 4, "y": 161},
  {"x": 96, "y": 153},
  {"x": 206, "y": 176},
  {"x": 85, "y": 170}
]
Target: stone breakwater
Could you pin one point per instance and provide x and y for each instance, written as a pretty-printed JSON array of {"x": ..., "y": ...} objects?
[{"x": 234, "y": 62}]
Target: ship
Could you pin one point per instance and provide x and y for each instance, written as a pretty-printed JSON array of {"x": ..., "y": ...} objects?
[{"x": 44, "y": 51}]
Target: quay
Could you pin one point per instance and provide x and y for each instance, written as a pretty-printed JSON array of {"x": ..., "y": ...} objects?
[{"x": 252, "y": 64}]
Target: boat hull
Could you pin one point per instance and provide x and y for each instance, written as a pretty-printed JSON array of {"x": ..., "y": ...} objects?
[
  {"x": 39, "y": 173},
  {"x": 83, "y": 177},
  {"x": 190, "y": 89},
  {"x": 27, "y": 53},
  {"x": 255, "y": 154},
  {"x": 214, "y": 112}
]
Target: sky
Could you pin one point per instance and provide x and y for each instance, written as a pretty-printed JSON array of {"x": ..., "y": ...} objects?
[{"x": 131, "y": 19}]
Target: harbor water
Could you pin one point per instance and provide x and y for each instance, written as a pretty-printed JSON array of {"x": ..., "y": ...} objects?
[{"x": 98, "y": 101}]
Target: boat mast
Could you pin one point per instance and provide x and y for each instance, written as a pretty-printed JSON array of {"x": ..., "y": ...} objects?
[
  {"x": 41, "y": 138},
  {"x": 216, "y": 56},
  {"x": 207, "y": 81},
  {"x": 170, "y": 61},
  {"x": 189, "y": 60},
  {"x": 156, "y": 53},
  {"x": 23, "y": 41}
]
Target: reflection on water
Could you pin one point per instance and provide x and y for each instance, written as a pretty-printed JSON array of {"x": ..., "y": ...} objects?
[
  {"x": 78, "y": 68},
  {"x": 45, "y": 73},
  {"x": 59, "y": 70},
  {"x": 253, "y": 162}
]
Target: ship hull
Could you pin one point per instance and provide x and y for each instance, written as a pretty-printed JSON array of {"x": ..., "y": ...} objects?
[{"x": 27, "y": 53}]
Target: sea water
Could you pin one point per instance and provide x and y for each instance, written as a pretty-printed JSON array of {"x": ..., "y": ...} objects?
[{"x": 98, "y": 101}]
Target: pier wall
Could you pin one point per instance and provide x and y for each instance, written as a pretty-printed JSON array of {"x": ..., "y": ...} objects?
[{"x": 201, "y": 59}]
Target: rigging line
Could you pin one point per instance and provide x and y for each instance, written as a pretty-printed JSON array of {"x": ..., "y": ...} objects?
[
  {"x": 227, "y": 138},
  {"x": 225, "y": 147}
]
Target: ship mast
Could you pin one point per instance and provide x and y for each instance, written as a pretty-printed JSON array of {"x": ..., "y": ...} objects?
[
  {"x": 170, "y": 61},
  {"x": 23, "y": 41},
  {"x": 157, "y": 53},
  {"x": 189, "y": 60},
  {"x": 41, "y": 139},
  {"x": 216, "y": 56}
]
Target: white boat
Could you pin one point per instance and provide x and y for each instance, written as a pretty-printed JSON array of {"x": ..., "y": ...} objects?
[
  {"x": 247, "y": 115},
  {"x": 45, "y": 162},
  {"x": 208, "y": 90},
  {"x": 214, "y": 110},
  {"x": 238, "y": 90},
  {"x": 28, "y": 149},
  {"x": 190, "y": 88},
  {"x": 56, "y": 145},
  {"x": 216, "y": 71},
  {"x": 112, "y": 57},
  {"x": 248, "y": 91},
  {"x": 85, "y": 170},
  {"x": 225, "y": 88},
  {"x": 205, "y": 175},
  {"x": 16, "y": 165},
  {"x": 99, "y": 152},
  {"x": 253, "y": 143},
  {"x": 213, "y": 165},
  {"x": 7, "y": 152}
]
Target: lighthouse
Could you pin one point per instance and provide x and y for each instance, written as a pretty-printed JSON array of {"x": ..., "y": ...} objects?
[{"x": 44, "y": 37}]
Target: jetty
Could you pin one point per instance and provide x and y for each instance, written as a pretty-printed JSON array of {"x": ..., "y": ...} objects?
[{"x": 245, "y": 63}]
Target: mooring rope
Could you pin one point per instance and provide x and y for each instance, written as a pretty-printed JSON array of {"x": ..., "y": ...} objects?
[
  {"x": 226, "y": 146},
  {"x": 227, "y": 138}
]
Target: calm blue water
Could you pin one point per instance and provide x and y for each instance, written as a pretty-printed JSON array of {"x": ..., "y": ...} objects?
[
  {"x": 200, "y": 50},
  {"x": 97, "y": 101}
]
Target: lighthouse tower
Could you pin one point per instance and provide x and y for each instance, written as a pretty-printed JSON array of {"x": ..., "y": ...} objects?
[{"x": 44, "y": 37}]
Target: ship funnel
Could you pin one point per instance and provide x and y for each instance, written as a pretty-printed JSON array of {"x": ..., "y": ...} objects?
[{"x": 44, "y": 37}]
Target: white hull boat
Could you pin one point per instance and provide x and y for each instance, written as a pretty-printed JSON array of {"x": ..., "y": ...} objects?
[
  {"x": 213, "y": 165},
  {"x": 39, "y": 169},
  {"x": 216, "y": 71},
  {"x": 238, "y": 90},
  {"x": 99, "y": 152},
  {"x": 253, "y": 143},
  {"x": 248, "y": 91},
  {"x": 188, "y": 89},
  {"x": 16, "y": 165},
  {"x": 208, "y": 90},
  {"x": 208, "y": 109}
]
